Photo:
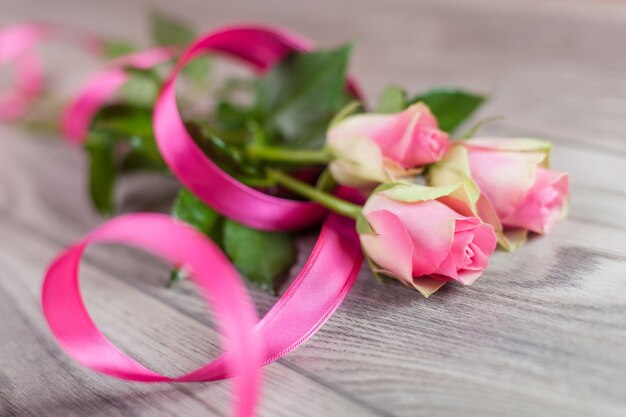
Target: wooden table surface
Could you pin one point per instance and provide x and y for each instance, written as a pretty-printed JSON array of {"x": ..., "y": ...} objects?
[{"x": 542, "y": 333}]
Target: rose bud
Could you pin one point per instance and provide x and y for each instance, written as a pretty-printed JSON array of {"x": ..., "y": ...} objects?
[
  {"x": 424, "y": 236},
  {"x": 375, "y": 148},
  {"x": 510, "y": 184}
]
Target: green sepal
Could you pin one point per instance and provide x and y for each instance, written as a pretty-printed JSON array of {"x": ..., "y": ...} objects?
[
  {"x": 473, "y": 130},
  {"x": 363, "y": 226},
  {"x": 412, "y": 193},
  {"x": 345, "y": 112}
]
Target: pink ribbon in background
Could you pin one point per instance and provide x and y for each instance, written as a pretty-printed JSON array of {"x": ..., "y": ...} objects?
[
  {"x": 18, "y": 45},
  {"x": 311, "y": 299},
  {"x": 78, "y": 115}
]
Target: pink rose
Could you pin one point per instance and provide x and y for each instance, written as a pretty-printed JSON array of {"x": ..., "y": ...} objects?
[
  {"x": 424, "y": 237},
  {"x": 512, "y": 183},
  {"x": 376, "y": 148}
]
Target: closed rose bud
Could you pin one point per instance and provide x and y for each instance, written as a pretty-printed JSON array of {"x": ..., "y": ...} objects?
[
  {"x": 513, "y": 187},
  {"x": 375, "y": 148},
  {"x": 424, "y": 236}
]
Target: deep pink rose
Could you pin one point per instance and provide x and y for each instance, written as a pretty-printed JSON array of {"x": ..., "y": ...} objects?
[
  {"x": 423, "y": 237},
  {"x": 376, "y": 148}
]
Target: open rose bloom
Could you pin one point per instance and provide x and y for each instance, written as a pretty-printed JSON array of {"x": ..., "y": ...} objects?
[
  {"x": 509, "y": 183},
  {"x": 371, "y": 149},
  {"x": 425, "y": 236}
]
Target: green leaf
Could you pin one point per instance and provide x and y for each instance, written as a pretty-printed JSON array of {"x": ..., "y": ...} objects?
[
  {"x": 296, "y": 100},
  {"x": 392, "y": 100},
  {"x": 124, "y": 121},
  {"x": 199, "y": 71},
  {"x": 142, "y": 88},
  {"x": 102, "y": 172},
  {"x": 231, "y": 117},
  {"x": 262, "y": 257},
  {"x": 452, "y": 107},
  {"x": 115, "y": 48},
  {"x": 144, "y": 155},
  {"x": 167, "y": 30},
  {"x": 192, "y": 210}
]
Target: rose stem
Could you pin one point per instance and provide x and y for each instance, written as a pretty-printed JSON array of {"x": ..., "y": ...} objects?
[
  {"x": 329, "y": 201},
  {"x": 289, "y": 156}
]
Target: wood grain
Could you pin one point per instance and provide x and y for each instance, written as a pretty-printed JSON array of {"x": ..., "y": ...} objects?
[{"x": 542, "y": 333}]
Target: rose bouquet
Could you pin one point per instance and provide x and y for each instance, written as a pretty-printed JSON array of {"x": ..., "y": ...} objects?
[{"x": 277, "y": 153}]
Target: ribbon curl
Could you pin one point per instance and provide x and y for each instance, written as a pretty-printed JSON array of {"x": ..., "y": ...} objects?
[
  {"x": 261, "y": 48},
  {"x": 311, "y": 299},
  {"x": 215, "y": 276}
]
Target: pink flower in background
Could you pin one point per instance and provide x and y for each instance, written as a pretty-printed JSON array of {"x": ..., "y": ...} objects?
[
  {"x": 512, "y": 178},
  {"x": 424, "y": 237},
  {"x": 377, "y": 148}
]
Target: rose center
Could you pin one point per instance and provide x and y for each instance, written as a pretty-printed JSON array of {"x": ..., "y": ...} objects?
[
  {"x": 468, "y": 257},
  {"x": 435, "y": 146}
]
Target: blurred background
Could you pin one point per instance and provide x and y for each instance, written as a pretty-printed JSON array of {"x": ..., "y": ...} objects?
[{"x": 541, "y": 62}]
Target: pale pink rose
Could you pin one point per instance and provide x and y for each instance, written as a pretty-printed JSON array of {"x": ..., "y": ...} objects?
[
  {"x": 515, "y": 180},
  {"x": 425, "y": 239},
  {"x": 376, "y": 148},
  {"x": 509, "y": 183}
]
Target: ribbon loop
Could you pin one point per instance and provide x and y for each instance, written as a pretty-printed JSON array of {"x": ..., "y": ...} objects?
[
  {"x": 215, "y": 276},
  {"x": 261, "y": 48}
]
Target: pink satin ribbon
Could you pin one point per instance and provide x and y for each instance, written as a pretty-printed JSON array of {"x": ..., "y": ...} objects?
[
  {"x": 18, "y": 48},
  {"x": 319, "y": 289},
  {"x": 261, "y": 48},
  {"x": 180, "y": 244},
  {"x": 311, "y": 299},
  {"x": 99, "y": 89}
]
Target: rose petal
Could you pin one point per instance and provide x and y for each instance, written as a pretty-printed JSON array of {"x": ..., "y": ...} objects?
[
  {"x": 510, "y": 144},
  {"x": 430, "y": 225},
  {"x": 412, "y": 137},
  {"x": 544, "y": 204},
  {"x": 504, "y": 178},
  {"x": 390, "y": 247},
  {"x": 360, "y": 162}
]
